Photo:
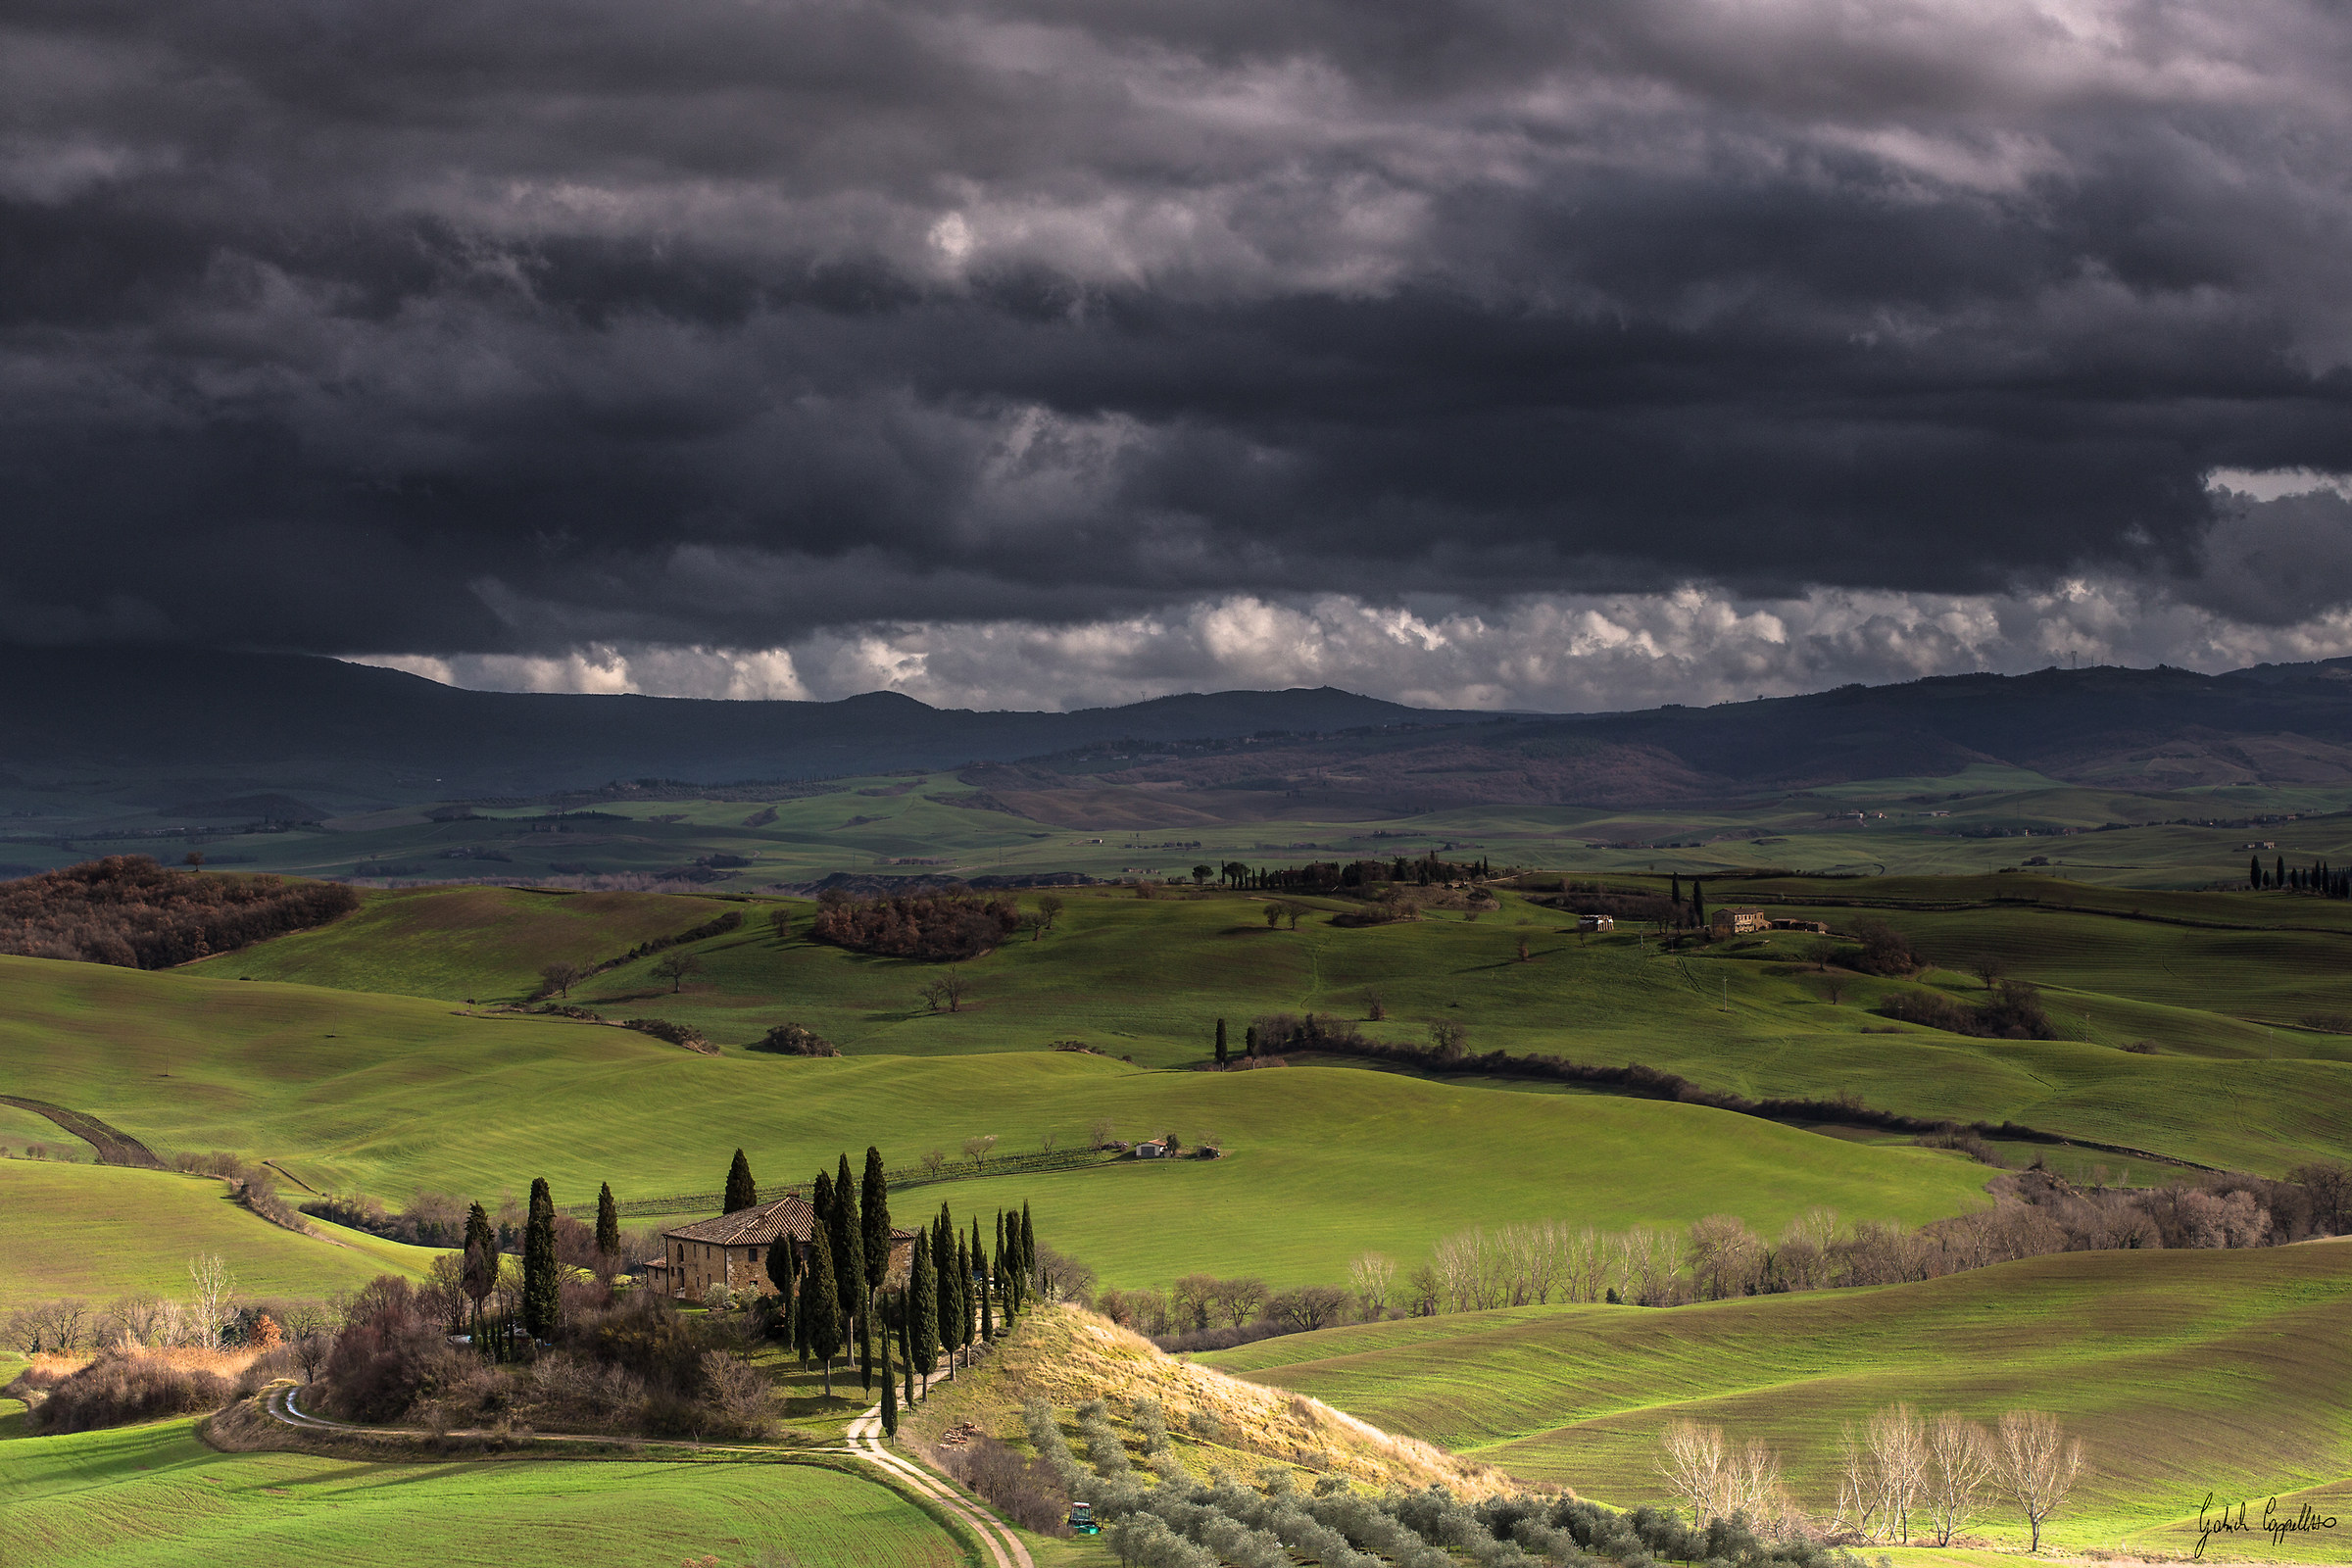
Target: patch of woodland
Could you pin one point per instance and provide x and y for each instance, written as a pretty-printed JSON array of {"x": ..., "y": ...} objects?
[
  {"x": 942, "y": 927},
  {"x": 126, "y": 910},
  {"x": 677, "y": 1034},
  {"x": 255, "y": 1186},
  {"x": 625, "y": 1364},
  {"x": 2013, "y": 1011},
  {"x": 794, "y": 1040}
]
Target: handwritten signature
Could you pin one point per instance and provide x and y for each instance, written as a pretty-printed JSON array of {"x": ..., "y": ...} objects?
[{"x": 2232, "y": 1520}]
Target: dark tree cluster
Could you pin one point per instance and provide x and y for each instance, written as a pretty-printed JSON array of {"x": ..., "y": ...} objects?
[
  {"x": 125, "y": 910},
  {"x": 939, "y": 926},
  {"x": 2318, "y": 878},
  {"x": 2014, "y": 1012},
  {"x": 1360, "y": 877},
  {"x": 794, "y": 1040}
]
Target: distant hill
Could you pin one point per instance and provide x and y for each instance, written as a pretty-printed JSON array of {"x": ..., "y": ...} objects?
[
  {"x": 243, "y": 735},
  {"x": 266, "y": 735}
]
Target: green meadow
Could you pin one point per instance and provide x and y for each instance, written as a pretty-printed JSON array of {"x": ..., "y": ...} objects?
[
  {"x": 102, "y": 1231},
  {"x": 386, "y": 1095},
  {"x": 2182, "y": 1372},
  {"x": 2215, "y": 986},
  {"x": 158, "y": 1495}
]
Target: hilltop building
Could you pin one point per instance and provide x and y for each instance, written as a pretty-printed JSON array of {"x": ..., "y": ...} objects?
[{"x": 732, "y": 1250}]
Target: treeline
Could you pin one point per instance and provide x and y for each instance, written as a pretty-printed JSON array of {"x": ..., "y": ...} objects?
[
  {"x": 1720, "y": 1258},
  {"x": 938, "y": 926},
  {"x": 2319, "y": 878},
  {"x": 128, "y": 910},
  {"x": 2013, "y": 1011},
  {"x": 1348, "y": 876}
]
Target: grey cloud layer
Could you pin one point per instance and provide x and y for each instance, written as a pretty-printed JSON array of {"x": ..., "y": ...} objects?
[{"x": 506, "y": 328}]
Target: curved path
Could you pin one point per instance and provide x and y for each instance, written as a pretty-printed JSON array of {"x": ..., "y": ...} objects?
[{"x": 866, "y": 1443}]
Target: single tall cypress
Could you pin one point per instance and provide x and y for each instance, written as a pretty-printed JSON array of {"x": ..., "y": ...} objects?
[
  {"x": 963, "y": 1298},
  {"x": 1674, "y": 889},
  {"x": 922, "y": 1315},
  {"x": 1698, "y": 903},
  {"x": 820, "y": 1198},
  {"x": 980, "y": 1284},
  {"x": 542, "y": 1280},
  {"x": 1221, "y": 1053},
  {"x": 873, "y": 1208},
  {"x": 820, "y": 1305},
  {"x": 865, "y": 1350},
  {"x": 784, "y": 1273},
  {"x": 849, "y": 1245},
  {"x": 742, "y": 1191},
  {"x": 2254, "y": 872},
  {"x": 1005, "y": 1288},
  {"x": 906, "y": 1346},
  {"x": 890, "y": 1392},
  {"x": 951, "y": 1288},
  {"x": 480, "y": 1263},
  {"x": 1029, "y": 1275},
  {"x": 607, "y": 1222}
]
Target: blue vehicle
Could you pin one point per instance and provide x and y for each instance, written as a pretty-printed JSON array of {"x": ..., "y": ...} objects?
[{"x": 1082, "y": 1520}]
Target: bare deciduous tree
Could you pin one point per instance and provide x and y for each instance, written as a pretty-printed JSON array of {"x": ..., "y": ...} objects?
[
  {"x": 947, "y": 991},
  {"x": 976, "y": 1146},
  {"x": 1050, "y": 909},
  {"x": 561, "y": 976},
  {"x": 935, "y": 1160},
  {"x": 1102, "y": 1132},
  {"x": 1371, "y": 1277},
  {"x": 1692, "y": 1461},
  {"x": 1959, "y": 1459},
  {"x": 674, "y": 967},
  {"x": 212, "y": 1298},
  {"x": 2036, "y": 1464},
  {"x": 1987, "y": 967},
  {"x": 1450, "y": 1038},
  {"x": 1898, "y": 1447}
]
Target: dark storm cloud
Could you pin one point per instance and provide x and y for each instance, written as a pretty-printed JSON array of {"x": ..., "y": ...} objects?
[{"x": 506, "y": 326}]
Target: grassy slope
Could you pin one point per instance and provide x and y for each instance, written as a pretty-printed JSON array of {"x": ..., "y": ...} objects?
[
  {"x": 98, "y": 1230},
  {"x": 157, "y": 1496},
  {"x": 464, "y": 941},
  {"x": 384, "y": 1095},
  {"x": 1150, "y": 979},
  {"x": 2182, "y": 1371}
]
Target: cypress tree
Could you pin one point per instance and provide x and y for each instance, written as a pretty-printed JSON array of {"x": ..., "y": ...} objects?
[
  {"x": 742, "y": 1191},
  {"x": 963, "y": 1298},
  {"x": 2254, "y": 872},
  {"x": 1674, "y": 888},
  {"x": 922, "y": 1315},
  {"x": 820, "y": 1305},
  {"x": 1698, "y": 903},
  {"x": 849, "y": 1245},
  {"x": 480, "y": 1263},
  {"x": 1221, "y": 1056},
  {"x": 951, "y": 1288},
  {"x": 542, "y": 1280},
  {"x": 820, "y": 1198},
  {"x": 865, "y": 1350},
  {"x": 2281, "y": 882},
  {"x": 906, "y": 1354},
  {"x": 784, "y": 1273},
  {"x": 980, "y": 1284},
  {"x": 875, "y": 1210},
  {"x": 1250, "y": 1040},
  {"x": 1029, "y": 1275},
  {"x": 1004, "y": 1287},
  {"x": 607, "y": 1222},
  {"x": 890, "y": 1393}
]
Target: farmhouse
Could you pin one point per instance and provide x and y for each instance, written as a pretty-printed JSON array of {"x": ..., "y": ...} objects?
[
  {"x": 732, "y": 1250},
  {"x": 1596, "y": 922},
  {"x": 1739, "y": 922}
]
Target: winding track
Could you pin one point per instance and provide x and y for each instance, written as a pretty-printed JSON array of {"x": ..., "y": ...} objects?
[{"x": 864, "y": 1443}]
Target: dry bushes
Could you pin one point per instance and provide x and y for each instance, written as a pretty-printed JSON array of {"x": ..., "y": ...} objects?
[
  {"x": 125, "y": 910},
  {"x": 1021, "y": 1490},
  {"x": 116, "y": 1389},
  {"x": 793, "y": 1040}
]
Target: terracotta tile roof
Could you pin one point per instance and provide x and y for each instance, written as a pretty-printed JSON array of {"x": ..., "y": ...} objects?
[{"x": 789, "y": 1215}]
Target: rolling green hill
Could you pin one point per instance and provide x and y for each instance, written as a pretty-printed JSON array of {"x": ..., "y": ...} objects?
[
  {"x": 2182, "y": 1371},
  {"x": 102, "y": 1231},
  {"x": 1147, "y": 978},
  {"x": 383, "y": 1094},
  {"x": 464, "y": 941},
  {"x": 157, "y": 1496}
]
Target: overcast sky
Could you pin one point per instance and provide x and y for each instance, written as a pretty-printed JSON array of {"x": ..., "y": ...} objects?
[{"x": 1035, "y": 353}]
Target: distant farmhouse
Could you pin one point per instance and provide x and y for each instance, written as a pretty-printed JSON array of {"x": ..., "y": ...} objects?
[
  {"x": 732, "y": 1250},
  {"x": 1596, "y": 922},
  {"x": 1739, "y": 922}
]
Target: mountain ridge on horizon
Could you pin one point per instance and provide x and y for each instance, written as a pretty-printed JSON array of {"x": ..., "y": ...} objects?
[{"x": 224, "y": 724}]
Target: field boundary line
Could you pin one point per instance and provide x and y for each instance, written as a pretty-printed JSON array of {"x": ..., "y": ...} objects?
[{"x": 113, "y": 1146}]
